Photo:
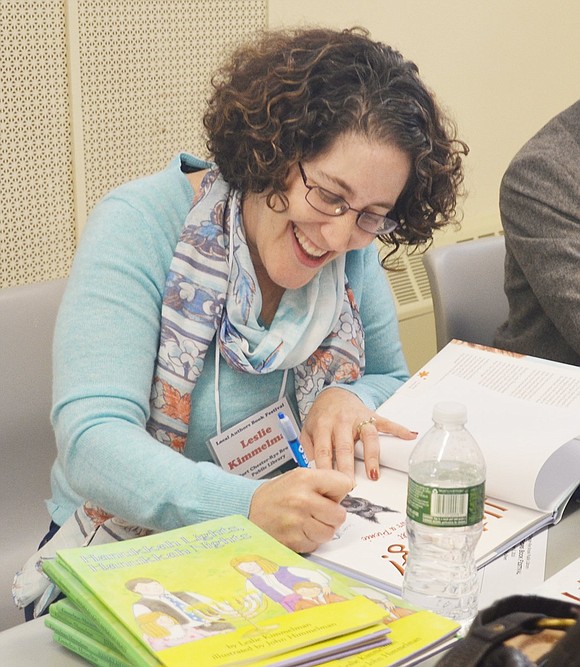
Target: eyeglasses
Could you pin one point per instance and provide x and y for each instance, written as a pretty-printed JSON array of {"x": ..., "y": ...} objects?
[{"x": 330, "y": 203}]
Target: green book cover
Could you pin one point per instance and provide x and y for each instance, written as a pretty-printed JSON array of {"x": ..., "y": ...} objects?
[
  {"x": 125, "y": 642},
  {"x": 88, "y": 647},
  {"x": 75, "y": 630},
  {"x": 217, "y": 593},
  {"x": 69, "y": 614},
  {"x": 413, "y": 633}
]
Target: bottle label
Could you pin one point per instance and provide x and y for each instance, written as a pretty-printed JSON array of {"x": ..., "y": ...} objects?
[{"x": 445, "y": 507}]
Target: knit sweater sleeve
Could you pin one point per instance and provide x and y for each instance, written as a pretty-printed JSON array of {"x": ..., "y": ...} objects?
[
  {"x": 106, "y": 341},
  {"x": 386, "y": 368}
]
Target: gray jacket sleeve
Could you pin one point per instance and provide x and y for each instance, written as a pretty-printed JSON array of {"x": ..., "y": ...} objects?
[{"x": 540, "y": 209}]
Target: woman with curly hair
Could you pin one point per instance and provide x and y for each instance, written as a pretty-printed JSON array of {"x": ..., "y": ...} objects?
[{"x": 205, "y": 294}]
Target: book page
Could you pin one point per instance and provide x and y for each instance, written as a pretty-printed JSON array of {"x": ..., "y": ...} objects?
[
  {"x": 524, "y": 412},
  {"x": 373, "y": 542},
  {"x": 517, "y": 572},
  {"x": 564, "y": 585}
]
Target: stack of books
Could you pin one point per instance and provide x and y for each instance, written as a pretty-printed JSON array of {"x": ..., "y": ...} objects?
[{"x": 226, "y": 593}]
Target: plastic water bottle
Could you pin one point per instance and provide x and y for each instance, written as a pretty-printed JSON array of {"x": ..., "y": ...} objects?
[{"x": 445, "y": 517}]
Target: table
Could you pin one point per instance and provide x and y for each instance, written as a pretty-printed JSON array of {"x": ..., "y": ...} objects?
[{"x": 31, "y": 644}]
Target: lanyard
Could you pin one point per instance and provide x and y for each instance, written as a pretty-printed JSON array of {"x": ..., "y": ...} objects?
[
  {"x": 217, "y": 393},
  {"x": 218, "y": 356}
]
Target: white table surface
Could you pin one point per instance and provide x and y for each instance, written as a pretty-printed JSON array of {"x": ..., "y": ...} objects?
[{"x": 31, "y": 644}]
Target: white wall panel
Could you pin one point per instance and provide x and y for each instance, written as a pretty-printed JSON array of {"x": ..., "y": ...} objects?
[{"x": 96, "y": 92}]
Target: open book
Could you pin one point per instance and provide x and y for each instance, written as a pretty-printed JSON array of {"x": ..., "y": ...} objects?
[
  {"x": 225, "y": 593},
  {"x": 564, "y": 585},
  {"x": 525, "y": 414}
]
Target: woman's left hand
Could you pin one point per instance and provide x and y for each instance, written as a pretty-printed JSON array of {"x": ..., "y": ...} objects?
[{"x": 337, "y": 419}]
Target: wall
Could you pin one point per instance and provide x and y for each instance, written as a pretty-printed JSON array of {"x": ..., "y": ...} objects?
[
  {"x": 502, "y": 68},
  {"x": 94, "y": 93}
]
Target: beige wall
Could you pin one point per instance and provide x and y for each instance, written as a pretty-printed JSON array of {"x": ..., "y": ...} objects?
[{"x": 502, "y": 67}]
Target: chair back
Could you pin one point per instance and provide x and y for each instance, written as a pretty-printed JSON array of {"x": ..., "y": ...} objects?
[
  {"x": 27, "y": 445},
  {"x": 466, "y": 282}
]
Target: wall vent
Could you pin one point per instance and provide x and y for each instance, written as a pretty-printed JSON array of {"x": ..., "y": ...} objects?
[
  {"x": 410, "y": 283},
  {"x": 412, "y": 293},
  {"x": 95, "y": 92}
]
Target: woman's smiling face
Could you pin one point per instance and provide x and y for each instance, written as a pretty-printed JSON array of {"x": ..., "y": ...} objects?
[{"x": 289, "y": 247}]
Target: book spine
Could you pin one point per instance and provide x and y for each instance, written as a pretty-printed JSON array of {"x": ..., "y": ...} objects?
[
  {"x": 125, "y": 642},
  {"x": 67, "y": 613},
  {"x": 84, "y": 646}
]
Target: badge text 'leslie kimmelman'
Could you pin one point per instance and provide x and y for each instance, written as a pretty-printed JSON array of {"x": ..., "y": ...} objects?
[{"x": 261, "y": 437}]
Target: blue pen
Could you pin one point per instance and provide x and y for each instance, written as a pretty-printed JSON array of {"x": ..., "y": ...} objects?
[{"x": 290, "y": 434}]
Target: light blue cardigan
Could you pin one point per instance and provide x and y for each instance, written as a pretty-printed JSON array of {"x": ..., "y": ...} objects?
[{"x": 105, "y": 348}]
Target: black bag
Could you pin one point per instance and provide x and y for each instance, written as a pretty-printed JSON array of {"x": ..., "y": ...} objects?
[{"x": 520, "y": 631}]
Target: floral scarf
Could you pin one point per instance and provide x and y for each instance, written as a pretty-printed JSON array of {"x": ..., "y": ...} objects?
[{"x": 212, "y": 288}]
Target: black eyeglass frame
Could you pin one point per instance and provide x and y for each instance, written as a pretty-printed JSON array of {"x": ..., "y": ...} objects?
[{"x": 377, "y": 224}]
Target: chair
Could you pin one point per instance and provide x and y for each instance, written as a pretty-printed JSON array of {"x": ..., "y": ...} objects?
[
  {"x": 466, "y": 282},
  {"x": 27, "y": 445}
]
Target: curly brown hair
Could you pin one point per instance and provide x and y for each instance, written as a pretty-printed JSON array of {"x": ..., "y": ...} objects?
[{"x": 289, "y": 95}]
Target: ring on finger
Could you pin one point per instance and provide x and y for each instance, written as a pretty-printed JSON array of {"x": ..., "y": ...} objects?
[{"x": 362, "y": 424}]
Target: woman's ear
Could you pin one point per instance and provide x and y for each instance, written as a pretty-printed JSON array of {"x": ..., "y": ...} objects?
[{"x": 277, "y": 202}]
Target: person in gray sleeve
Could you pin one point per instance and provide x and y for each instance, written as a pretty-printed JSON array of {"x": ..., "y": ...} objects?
[{"x": 540, "y": 214}]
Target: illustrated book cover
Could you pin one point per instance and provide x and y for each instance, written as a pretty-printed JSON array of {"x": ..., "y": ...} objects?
[{"x": 414, "y": 635}]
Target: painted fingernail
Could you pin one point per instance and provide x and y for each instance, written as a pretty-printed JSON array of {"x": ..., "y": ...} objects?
[{"x": 374, "y": 474}]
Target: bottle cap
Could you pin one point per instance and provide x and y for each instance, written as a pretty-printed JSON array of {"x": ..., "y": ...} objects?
[{"x": 449, "y": 412}]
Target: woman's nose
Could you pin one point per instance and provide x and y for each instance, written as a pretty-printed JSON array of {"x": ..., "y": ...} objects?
[{"x": 342, "y": 233}]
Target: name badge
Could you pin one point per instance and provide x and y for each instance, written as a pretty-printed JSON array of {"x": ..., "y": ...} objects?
[{"x": 256, "y": 446}]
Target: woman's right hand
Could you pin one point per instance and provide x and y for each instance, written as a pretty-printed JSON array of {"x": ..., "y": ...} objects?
[{"x": 301, "y": 508}]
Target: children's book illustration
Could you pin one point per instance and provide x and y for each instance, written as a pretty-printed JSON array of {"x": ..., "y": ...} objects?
[
  {"x": 282, "y": 584},
  {"x": 168, "y": 619},
  {"x": 364, "y": 508}
]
